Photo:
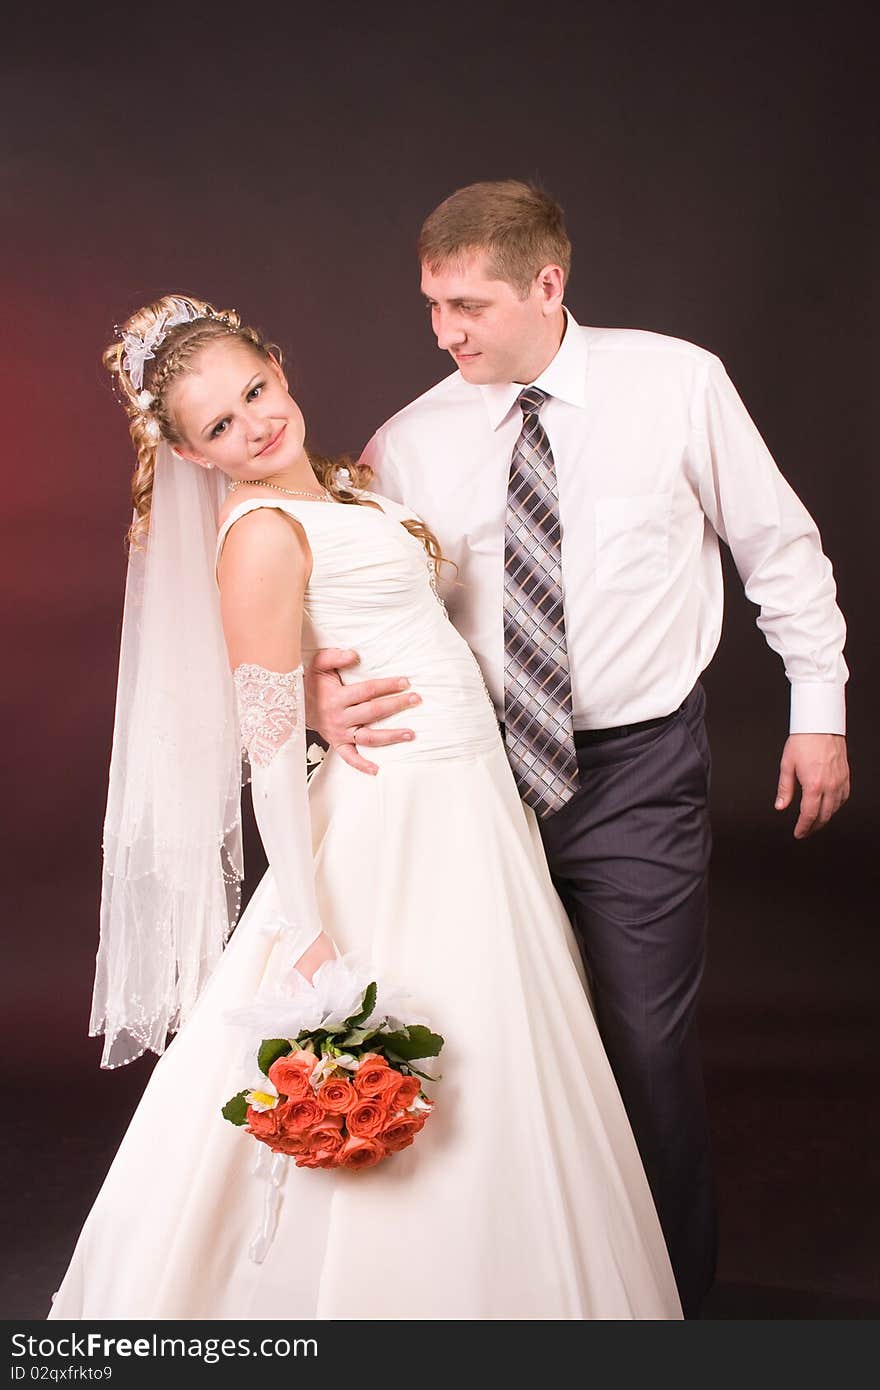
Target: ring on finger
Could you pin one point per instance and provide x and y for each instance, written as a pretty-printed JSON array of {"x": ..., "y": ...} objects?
[{"x": 354, "y": 733}]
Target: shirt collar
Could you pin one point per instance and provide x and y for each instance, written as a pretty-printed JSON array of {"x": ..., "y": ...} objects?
[{"x": 563, "y": 377}]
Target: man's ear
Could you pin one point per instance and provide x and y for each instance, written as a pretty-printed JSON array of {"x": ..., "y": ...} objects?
[{"x": 550, "y": 285}]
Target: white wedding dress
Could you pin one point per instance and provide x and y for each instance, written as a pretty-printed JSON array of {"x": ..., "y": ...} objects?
[{"x": 524, "y": 1196}]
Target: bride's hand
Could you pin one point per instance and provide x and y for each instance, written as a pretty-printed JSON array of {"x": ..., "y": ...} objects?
[
  {"x": 342, "y": 714},
  {"x": 321, "y": 950}
]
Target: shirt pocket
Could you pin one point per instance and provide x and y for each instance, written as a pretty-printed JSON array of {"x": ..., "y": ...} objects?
[{"x": 632, "y": 541}]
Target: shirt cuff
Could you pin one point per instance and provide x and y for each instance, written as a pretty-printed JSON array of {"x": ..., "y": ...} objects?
[{"x": 818, "y": 708}]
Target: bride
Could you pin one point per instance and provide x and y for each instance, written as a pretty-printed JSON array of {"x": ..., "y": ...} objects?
[{"x": 524, "y": 1197}]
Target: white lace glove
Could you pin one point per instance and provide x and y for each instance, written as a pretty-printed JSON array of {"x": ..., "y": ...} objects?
[{"x": 271, "y": 710}]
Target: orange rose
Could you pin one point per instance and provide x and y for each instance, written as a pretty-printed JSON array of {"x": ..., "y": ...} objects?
[
  {"x": 367, "y": 1117},
  {"x": 400, "y": 1133},
  {"x": 262, "y": 1123},
  {"x": 358, "y": 1152},
  {"x": 401, "y": 1095},
  {"x": 298, "y": 1115},
  {"x": 325, "y": 1138},
  {"x": 323, "y": 1159},
  {"x": 307, "y": 1160},
  {"x": 336, "y": 1095},
  {"x": 373, "y": 1075},
  {"x": 292, "y": 1144},
  {"x": 290, "y": 1075}
]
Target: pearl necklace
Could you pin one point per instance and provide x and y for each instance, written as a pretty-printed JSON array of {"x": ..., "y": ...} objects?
[{"x": 322, "y": 496}]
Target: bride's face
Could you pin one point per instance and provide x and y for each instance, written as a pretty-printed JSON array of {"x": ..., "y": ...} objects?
[{"x": 235, "y": 413}]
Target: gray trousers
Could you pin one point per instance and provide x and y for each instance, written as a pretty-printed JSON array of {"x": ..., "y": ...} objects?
[{"x": 629, "y": 855}]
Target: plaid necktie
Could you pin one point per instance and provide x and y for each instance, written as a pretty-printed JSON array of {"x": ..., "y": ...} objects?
[{"x": 537, "y": 689}]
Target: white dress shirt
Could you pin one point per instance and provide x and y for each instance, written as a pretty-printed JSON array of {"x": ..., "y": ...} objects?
[{"x": 656, "y": 458}]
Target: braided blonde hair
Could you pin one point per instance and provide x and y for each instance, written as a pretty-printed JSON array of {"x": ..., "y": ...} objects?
[{"x": 150, "y": 420}]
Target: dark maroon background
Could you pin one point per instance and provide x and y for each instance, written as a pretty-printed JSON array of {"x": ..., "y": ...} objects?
[{"x": 714, "y": 167}]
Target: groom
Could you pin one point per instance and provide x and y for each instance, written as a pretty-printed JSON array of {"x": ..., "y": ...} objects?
[{"x": 580, "y": 479}]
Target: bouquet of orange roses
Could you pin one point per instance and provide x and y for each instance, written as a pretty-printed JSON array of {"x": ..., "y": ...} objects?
[{"x": 341, "y": 1089}]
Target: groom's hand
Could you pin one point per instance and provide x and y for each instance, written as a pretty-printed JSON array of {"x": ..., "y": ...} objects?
[
  {"x": 342, "y": 713},
  {"x": 818, "y": 762}
]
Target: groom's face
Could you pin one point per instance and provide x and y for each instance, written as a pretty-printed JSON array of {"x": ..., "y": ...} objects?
[{"x": 491, "y": 332}]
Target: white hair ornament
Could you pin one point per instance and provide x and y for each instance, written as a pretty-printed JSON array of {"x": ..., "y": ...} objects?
[{"x": 139, "y": 349}]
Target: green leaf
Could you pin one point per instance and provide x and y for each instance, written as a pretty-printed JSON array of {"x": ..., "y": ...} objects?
[
  {"x": 408, "y": 1066},
  {"x": 368, "y": 1004},
  {"x": 358, "y": 1036},
  {"x": 235, "y": 1110},
  {"x": 270, "y": 1050},
  {"x": 412, "y": 1042}
]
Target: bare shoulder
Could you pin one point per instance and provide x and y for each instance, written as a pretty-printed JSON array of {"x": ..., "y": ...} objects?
[{"x": 262, "y": 544}]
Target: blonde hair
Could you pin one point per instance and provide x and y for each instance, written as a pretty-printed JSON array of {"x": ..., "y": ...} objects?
[
  {"x": 520, "y": 227},
  {"x": 150, "y": 420}
]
